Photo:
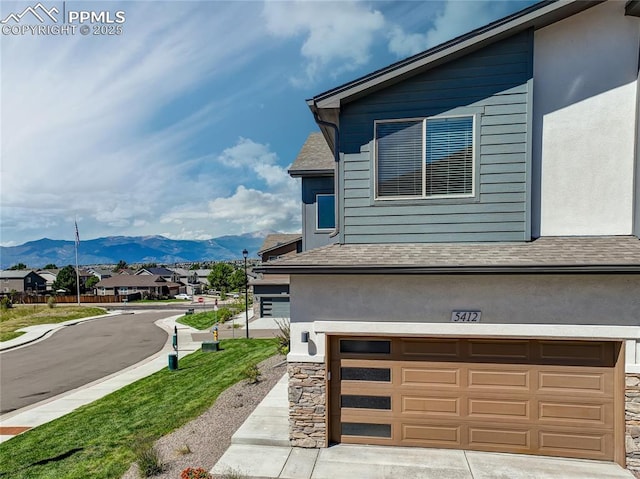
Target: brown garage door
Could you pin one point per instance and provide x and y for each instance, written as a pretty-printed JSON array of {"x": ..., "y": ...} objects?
[{"x": 554, "y": 398}]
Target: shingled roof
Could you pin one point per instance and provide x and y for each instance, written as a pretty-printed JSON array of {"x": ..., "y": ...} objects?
[
  {"x": 315, "y": 158},
  {"x": 137, "y": 280},
  {"x": 546, "y": 254}
]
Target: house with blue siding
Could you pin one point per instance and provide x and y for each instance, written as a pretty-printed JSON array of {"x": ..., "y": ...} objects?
[{"x": 482, "y": 287}]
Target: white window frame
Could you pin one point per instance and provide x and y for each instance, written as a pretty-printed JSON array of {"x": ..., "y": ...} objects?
[
  {"x": 424, "y": 119},
  {"x": 318, "y": 213}
]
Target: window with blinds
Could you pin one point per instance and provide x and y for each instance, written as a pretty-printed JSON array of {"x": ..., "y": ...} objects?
[{"x": 424, "y": 158}]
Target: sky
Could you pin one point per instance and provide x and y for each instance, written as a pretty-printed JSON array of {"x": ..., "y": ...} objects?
[{"x": 184, "y": 121}]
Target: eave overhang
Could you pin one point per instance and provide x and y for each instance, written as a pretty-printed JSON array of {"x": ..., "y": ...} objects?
[
  {"x": 304, "y": 173},
  {"x": 632, "y": 8}
]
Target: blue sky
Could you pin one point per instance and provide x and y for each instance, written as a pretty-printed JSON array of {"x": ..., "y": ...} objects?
[{"x": 184, "y": 125}]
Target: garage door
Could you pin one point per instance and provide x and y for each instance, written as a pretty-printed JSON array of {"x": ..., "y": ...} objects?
[
  {"x": 275, "y": 308},
  {"x": 554, "y": 398}
]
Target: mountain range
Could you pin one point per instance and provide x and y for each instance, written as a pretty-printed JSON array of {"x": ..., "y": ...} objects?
[{"x": 132, "y": 249}]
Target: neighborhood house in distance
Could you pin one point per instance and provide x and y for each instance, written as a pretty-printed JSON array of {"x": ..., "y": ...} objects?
[
  {"x": 32, "y": 285},
  {"x": 472, "y": 279}
]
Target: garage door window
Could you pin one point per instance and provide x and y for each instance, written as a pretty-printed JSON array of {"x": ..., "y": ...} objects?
[
  {"x": 360, "y": 346},
  {"x": 365, "y": 402},
  {"x": 364, "y": 429},
  {"x": 365, "y": 374}
]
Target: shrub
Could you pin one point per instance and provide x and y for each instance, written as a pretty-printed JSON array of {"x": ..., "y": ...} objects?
[
  {"x": 5, "y": 303},
  {"x": 51, "y": 302},
  {"x": 148, "y": 459},
  {"x": 193, "y": 473},
  {"x": 232, "y": 474},
  {"x": 224, "y": 314},
  {"x": 252, "y": 373},
  {"x": 283, "y": 336}
]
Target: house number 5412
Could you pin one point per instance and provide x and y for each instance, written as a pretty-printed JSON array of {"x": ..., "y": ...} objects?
[{"x": 465, "y": 316}]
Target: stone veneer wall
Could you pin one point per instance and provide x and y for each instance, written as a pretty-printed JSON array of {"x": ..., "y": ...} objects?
[
  {"x": 307, "y": 405},
  {"x": 632, "y": 419}
]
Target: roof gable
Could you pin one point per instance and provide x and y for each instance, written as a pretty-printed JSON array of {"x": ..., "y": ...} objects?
[{"x": 315, "y": 158}]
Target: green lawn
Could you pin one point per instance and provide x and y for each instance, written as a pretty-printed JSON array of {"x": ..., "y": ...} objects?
[
  {"x": 200, "y": 320},
  {"x": 30, "y": 315},
  {"x": 97, "y": 440}
]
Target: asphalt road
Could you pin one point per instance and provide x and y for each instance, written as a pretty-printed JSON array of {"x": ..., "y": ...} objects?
[{"x": 77, "y": 355}]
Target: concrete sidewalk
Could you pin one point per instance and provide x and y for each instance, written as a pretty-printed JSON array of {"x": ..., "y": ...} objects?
[
  {"x": 189, "y": 340},
  {"x": 260, "y": 449},
  {"x": 15, "y": 422}
]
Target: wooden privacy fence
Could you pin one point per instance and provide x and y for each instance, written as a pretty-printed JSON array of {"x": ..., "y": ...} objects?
[{"x": 84, "y": 298}]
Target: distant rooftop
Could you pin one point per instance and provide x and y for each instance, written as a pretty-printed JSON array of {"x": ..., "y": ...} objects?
[{"x": 276, "y": 240}]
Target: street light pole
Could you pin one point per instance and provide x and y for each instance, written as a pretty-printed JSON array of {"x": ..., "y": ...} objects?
[{"x": 246, "y": 292}]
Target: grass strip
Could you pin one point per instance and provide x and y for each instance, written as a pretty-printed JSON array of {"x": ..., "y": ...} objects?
[
  {"x": 97, "y": 441},
  {"x": 201, "y": 321},
  {"x": 30, "y": 315}
]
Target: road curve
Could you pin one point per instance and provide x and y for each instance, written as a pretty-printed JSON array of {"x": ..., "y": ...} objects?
[{"x": 77, "y": 355}]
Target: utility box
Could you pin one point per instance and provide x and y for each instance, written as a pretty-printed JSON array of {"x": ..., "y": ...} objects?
[{"x": 209, "y": 346}]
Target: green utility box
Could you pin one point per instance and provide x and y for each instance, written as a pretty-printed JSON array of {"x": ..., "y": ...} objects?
[{"x": 208, "y": 346}]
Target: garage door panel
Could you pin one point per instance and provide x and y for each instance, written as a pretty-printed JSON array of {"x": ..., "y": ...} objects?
[
  {"x": 588, "y": 445},
  {"x": 431, "y": 376},
  {"x": 438, "y": 349},
  {"x": 515, "y": 396},
  {"x": 502, "y": 437},
  {"x": 504, "y": 351},
  {"x": 513, "y": 410},
  {"x": 571, "y": 413},
  {"x": 576, "y": 382},
  {"x": 578, "y": 353},
  {"x": 481, "y": 378},
  {"x": 443, "y": 435},
  {"x": 431, "y": 406}
]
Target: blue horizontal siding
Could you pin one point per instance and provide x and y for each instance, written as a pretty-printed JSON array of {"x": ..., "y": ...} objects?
[{"x": 492, "y": 83}]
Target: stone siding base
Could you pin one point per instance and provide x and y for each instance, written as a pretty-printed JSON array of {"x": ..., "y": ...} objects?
[
  {"x": 632, "y": 419},
  {"x": 307, "y": 405}
]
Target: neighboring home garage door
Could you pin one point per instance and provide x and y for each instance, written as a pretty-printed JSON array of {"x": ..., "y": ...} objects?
[
  {"x": 554, "y": 398},
  {"x": 275, "y": 308}
]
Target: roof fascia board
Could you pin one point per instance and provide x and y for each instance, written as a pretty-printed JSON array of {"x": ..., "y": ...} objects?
[
  {"x": 450, "y": 50},
  {"x": 301, "y": 173},
  {"x": 395, "y": 270}
]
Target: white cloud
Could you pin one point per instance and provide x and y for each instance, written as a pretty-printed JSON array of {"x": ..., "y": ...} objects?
[
  {"x": 338, "y": 35},
  {"x": 85, "y": 128},
  {"x": 253, "y": 209},
  {"x": 257, "y": 157},
  {"x": 246, "y": 209},
  {"x": 246, "y": 152},
  {"x": 454, "y": 18}
]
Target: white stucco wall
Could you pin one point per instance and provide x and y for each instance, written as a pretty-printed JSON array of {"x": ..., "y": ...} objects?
[
  {"x": 584, "y": 114},
  {"x": 552, "y": 306}
]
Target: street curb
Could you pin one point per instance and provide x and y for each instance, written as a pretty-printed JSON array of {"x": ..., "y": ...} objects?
[{"x": 41, "y": 331}]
